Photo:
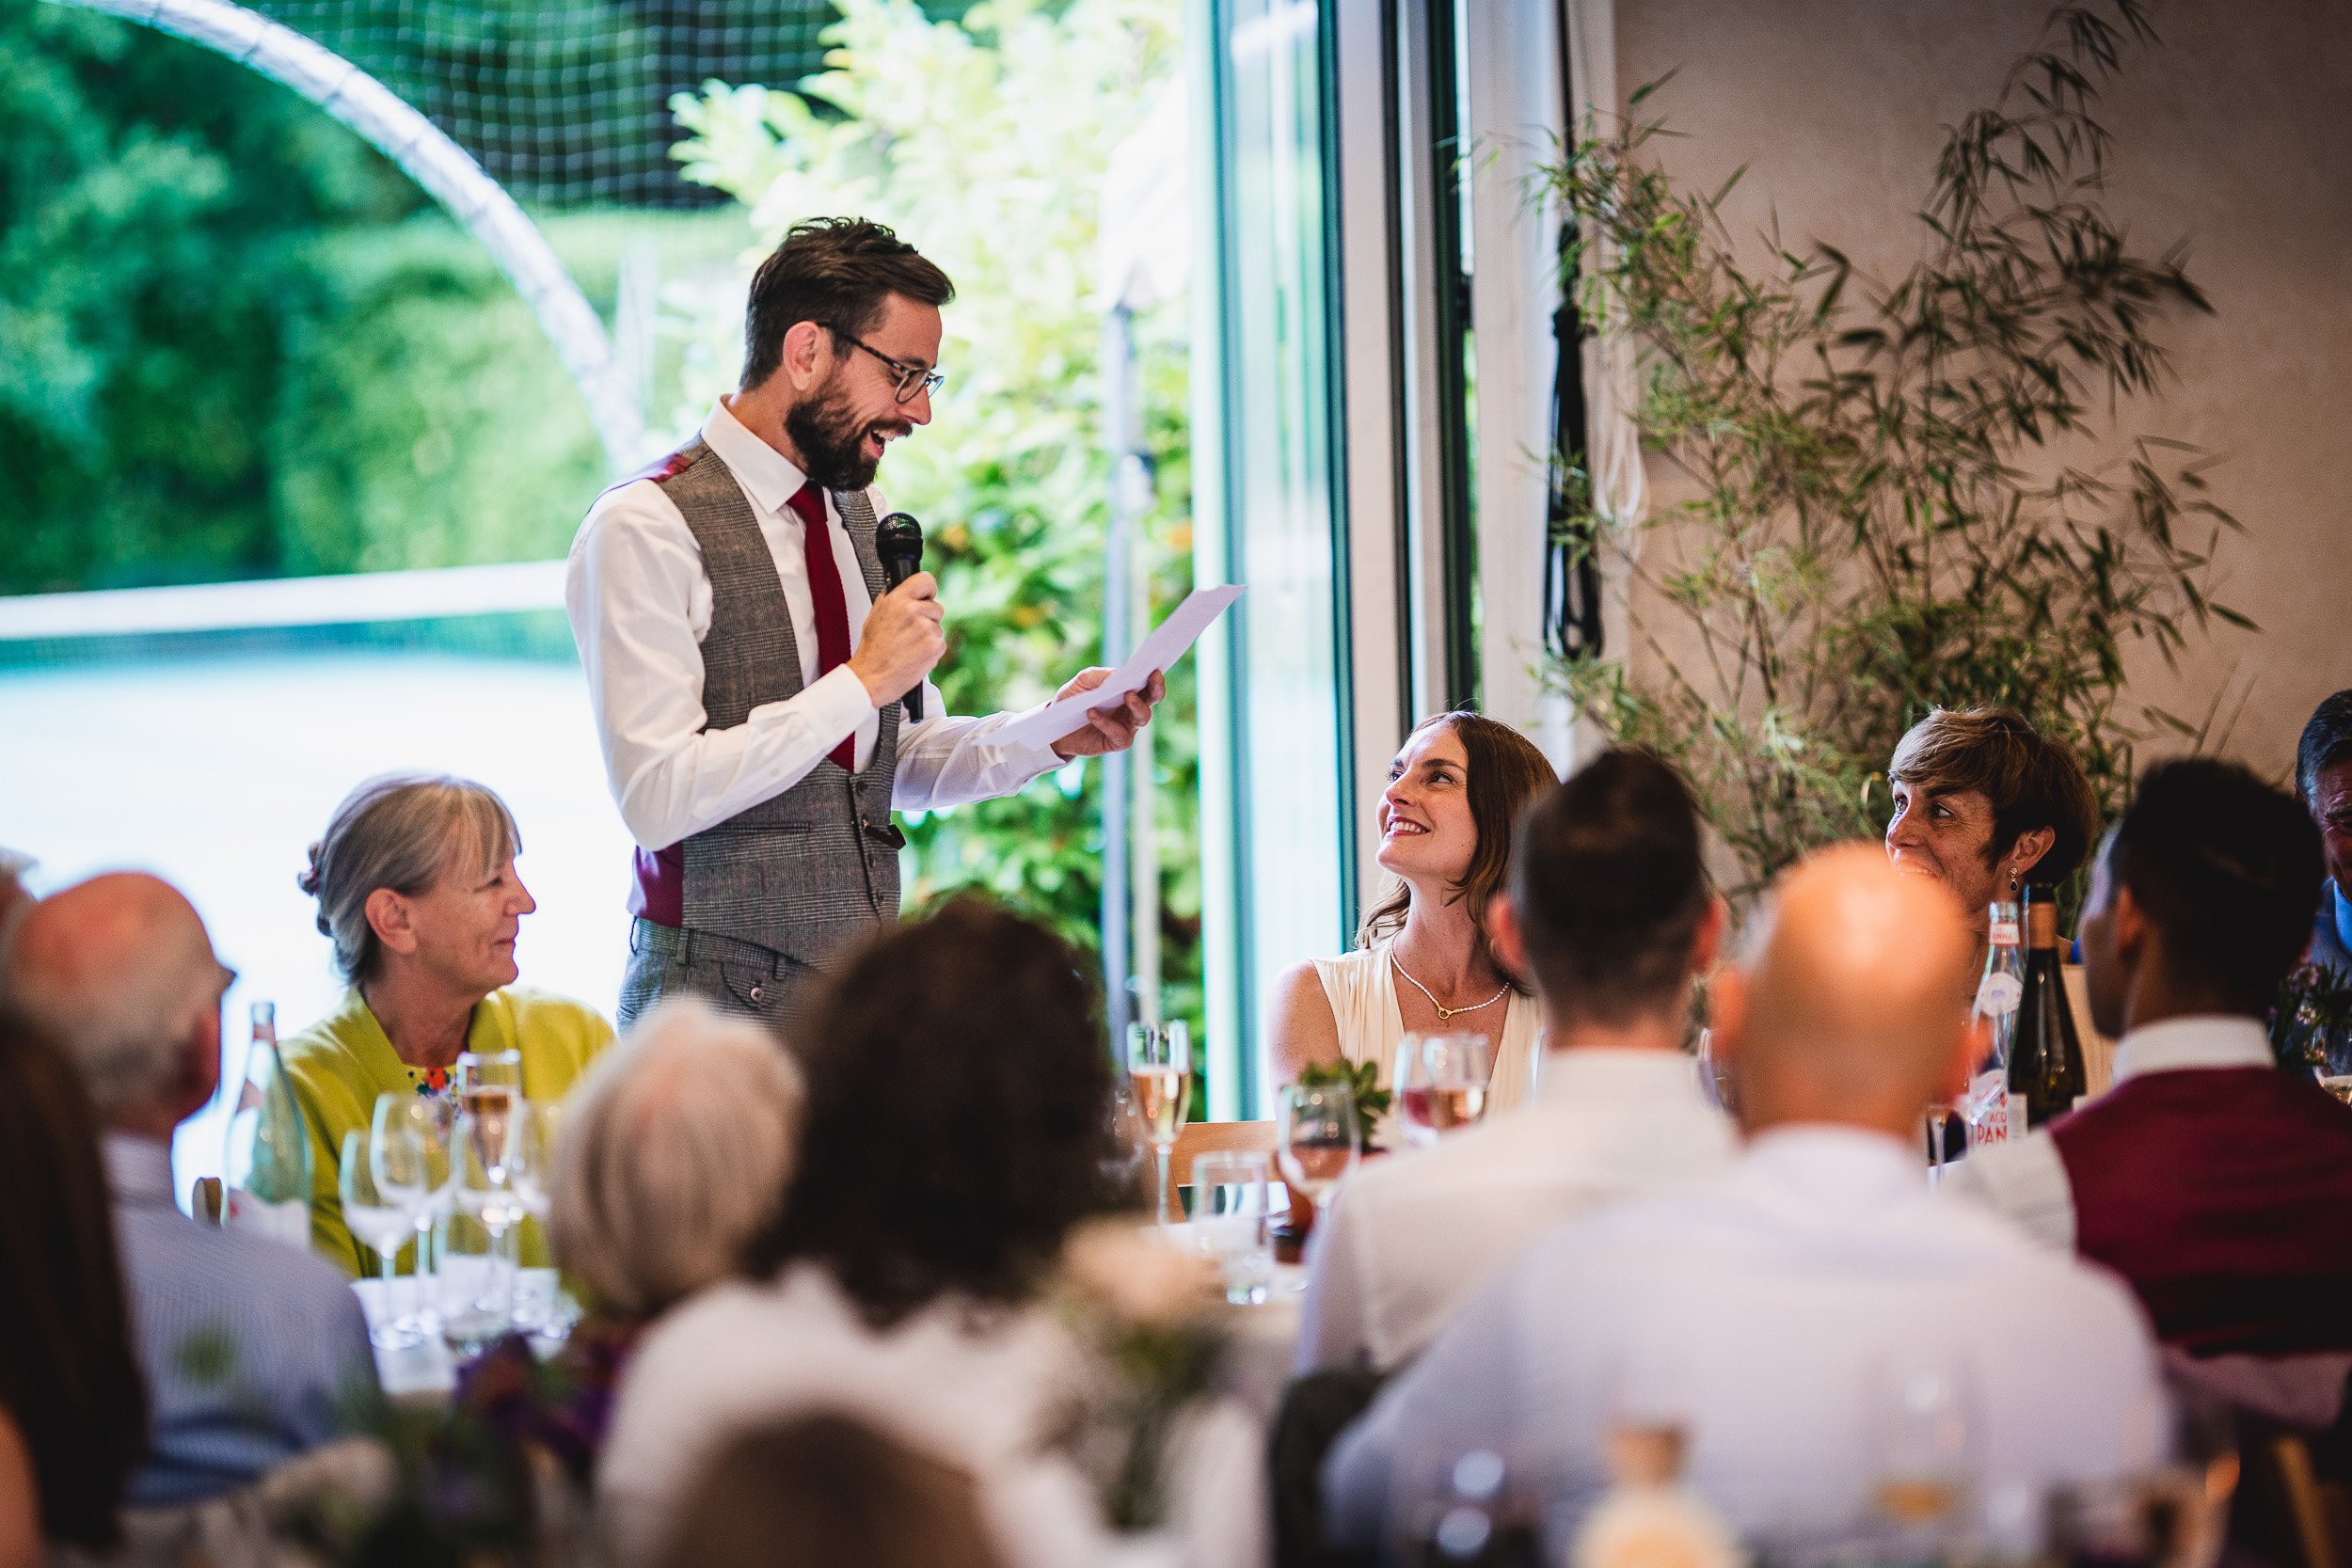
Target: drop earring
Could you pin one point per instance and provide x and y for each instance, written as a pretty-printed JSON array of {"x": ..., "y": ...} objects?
[{"x": 2012, "y": 882}]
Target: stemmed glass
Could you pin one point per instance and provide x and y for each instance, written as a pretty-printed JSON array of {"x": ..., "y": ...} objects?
[
  {"x": 427, "y": 1118},
  {"x": 531, "y": 1172},
  {"x": 1319, "y": 1139},
  {"x": 379, "y": 1215},
  {"x": 1441, "y": 1082},
  {"x": 482, "y": 1182},
  {"x": 1159, "y": 1074}
]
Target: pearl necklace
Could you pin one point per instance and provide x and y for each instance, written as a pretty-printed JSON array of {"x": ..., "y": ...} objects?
[{"x": 1444, "y": 1011}]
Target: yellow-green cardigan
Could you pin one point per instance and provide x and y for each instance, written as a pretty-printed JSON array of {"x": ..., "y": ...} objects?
[{"x": 339, "y": 1065}]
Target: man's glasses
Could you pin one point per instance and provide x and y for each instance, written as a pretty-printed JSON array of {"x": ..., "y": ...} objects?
[{"x": 911, "y": 378}]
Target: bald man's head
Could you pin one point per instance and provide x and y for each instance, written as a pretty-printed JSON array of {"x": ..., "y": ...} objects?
[
  {"x": 1850, "y": 1008},
  {"x": 118, "y": 970}
]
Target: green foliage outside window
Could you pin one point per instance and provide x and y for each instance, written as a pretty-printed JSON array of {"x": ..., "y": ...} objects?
[
  {"x": 1899, "y": 496},
  {"x": 985, "y": 144}
]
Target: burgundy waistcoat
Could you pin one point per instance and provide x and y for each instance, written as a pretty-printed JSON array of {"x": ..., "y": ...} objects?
[{"x": 2224, "y": 1194}]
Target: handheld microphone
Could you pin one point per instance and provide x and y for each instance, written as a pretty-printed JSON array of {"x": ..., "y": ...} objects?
[{"x": 899, "y": 540}]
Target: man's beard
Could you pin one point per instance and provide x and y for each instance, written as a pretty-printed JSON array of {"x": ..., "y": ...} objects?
[{"x": 832, "y": 448}]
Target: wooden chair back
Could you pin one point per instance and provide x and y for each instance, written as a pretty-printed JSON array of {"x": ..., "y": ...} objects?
[{"x": 1197, "y": 1138}]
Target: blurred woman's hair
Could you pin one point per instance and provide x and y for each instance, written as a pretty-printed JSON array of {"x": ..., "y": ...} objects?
[
  {"x": 1506, "y": 774},
  {"x": 401, "y": 831},
  {"x": 68, "y": 1379},
  {"x": 2032, "y": 780},
  {"x": 958, "y": 1085},
  {"x": 827, "y": 1491},
  {"x": 677, "y": 1148}
]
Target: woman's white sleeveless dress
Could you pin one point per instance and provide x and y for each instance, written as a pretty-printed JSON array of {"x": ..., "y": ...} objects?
[{"x": 1361, "y": 987}]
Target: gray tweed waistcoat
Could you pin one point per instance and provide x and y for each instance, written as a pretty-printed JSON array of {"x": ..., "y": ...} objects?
[{"x": 804, "y": 871}]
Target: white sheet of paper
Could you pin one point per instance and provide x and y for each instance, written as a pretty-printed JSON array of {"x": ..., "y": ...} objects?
[{"x": 1170, "y": 642}]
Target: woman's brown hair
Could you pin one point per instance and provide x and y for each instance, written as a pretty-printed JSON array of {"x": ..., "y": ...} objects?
[
  {"x": 1506, "y": 775},
  {"x": 2031, "y": 780},
  {"x": 67, "y": 1377}
]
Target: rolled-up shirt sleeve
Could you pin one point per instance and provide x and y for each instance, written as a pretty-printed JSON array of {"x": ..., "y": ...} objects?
[{"x": 639, "y": 603}]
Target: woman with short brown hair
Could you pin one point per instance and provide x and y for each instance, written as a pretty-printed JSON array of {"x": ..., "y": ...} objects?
[
  {"x": 1986, "y": 803},
  {"x": 1455, "y": 793}
]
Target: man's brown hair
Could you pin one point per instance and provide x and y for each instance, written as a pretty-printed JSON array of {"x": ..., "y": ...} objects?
[
  {"x": 2032, "y": 780},
  {"x": 837, "y": 273},
  {"x": 1610, "y": 887}
]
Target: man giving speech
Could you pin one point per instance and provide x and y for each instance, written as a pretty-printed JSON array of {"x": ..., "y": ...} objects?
[{"x": 746, "y": 664}]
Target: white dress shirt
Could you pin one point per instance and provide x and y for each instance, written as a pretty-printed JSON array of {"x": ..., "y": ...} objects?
[
  {"x": 1410, "y": 1237},
  {"x": 2027, "y": 1178},
  {"x": 979, "y": 1387},
  {"x": 640, "y": 607},
  {"x": 1765, "y": 1313}
]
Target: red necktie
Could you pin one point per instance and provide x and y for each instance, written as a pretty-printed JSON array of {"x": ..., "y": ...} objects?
[{"x": 833, "y": 611}]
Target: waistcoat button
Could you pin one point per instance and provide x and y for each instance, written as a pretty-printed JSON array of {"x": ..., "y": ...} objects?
[{"x": 758, "y": 993}]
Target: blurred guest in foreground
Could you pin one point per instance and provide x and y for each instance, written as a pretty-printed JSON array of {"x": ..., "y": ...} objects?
[
  {"x": 253, "y": 1351},
  {"x": 415, "y": 882},
  {"x": 957, "y": 1089},
  {"x": 1778, "y": 1315},
  {"x": 72, "y": 1413},
  {"x": 678, "y": 1149},
  {"x": 1607, "y": 910},
  {"x": 824, "y": 1492},
  {"x": 2323, "y": 777},
  {"x": 1426, "y": 959},
  {"x": 2219, "y": 1186},
  {"x": 1981, "y": 798}
]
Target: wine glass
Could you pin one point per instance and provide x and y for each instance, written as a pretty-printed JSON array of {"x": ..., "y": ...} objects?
[
  {"x": 1159, "y": 1074},
  {"x": 481, "y": 1182},
  {"x": 380, "y": 1215},
  {"x": 1319, "y": 1140},
  {"x": 487, "y": 1075},
  {"x": 1441, "y": 1083},
  {"x": 531, "y": 1149},
  {"x": 430, "y": 1119}
]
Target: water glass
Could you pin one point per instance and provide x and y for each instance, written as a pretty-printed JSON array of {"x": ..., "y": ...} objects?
[
  {"x": 1441, "y": 1083},
  {"x": 1229, "y": 1219},
  {"x": 1319, "y": 1140}
]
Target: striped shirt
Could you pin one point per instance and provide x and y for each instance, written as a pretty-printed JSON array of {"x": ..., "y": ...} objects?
[{"x": 253, "y": 1351}]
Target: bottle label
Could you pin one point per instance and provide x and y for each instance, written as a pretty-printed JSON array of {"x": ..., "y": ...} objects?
[
  {"x": 2005, "y": 933},
  {"x": 288, "y": 1222},
  {"x": 1987, "y": 1111},
  {"x": 1998, "y": 994}
]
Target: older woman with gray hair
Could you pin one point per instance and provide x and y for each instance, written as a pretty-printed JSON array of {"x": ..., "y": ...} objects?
[
  {"x": 678, "y": 1149},
  {"x": 416, "y": 886}
]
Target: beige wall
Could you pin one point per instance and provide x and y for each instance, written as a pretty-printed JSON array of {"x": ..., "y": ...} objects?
[{"x": 2234, "y": 133}]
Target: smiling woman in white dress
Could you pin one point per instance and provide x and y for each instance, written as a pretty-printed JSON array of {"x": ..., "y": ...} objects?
[{"x": 1423, "y": 963}]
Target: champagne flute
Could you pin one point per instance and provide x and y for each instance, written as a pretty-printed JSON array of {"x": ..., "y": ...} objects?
[
  {"x": 429, "y": 1118},
  {"x": 1319, "y": 1140},
  {"x": 1159, "y": 1074},
  {"x": 1441, "y": 1082},
  {"x": 379, "y": 1216}
]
